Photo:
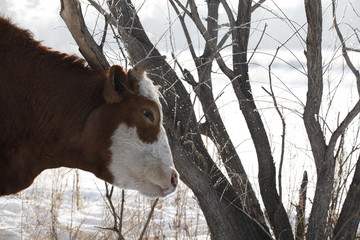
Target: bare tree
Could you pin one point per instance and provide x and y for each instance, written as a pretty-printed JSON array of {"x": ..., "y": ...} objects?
[
  {"x": 323, "y": 153},
  {"x": 230, "y": 205}
]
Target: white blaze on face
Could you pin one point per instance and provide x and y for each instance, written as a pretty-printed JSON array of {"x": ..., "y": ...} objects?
[
  {"x": 145, "y": 167},
  {"x": 149, "y": 90}
]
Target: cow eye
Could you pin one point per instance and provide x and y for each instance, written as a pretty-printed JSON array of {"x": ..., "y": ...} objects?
[{"x": 148, "y": 114}]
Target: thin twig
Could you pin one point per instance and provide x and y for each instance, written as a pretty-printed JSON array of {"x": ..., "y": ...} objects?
[
  {"x": 356, "y": 109},
  {"x": 148, "y": 219},
  {"x": 103, "y": 39},
  {"x": 185, "y": 29},
  {"x": 352, "y": 49},
  {"x": 258, "y": 43},
  {"x": 116, "y": 217},
  {"x": 283, "y": 123},
  {"x": 344, "y": 48},
  {"x": 101, "y": 10},
  {"x": 122, "y": 209},
  {"x": 194, "y": 16},
  {"x": 119, "y": 46},
  {"x": 256, "y": 5}
]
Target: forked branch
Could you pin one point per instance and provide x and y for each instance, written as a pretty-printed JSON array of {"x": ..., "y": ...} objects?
[
  {"x": 344, "y": 48},
  {"x": 72, "y": 15}
]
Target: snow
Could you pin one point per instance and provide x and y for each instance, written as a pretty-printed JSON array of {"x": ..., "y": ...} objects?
[{"x": 60, "y": 206}]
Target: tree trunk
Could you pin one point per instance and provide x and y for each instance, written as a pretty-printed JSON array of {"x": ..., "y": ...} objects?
[
  {"x": 324, "y": 162},
  {"x": 241, "y": 84},
  {"x": 348, "y": 222}
]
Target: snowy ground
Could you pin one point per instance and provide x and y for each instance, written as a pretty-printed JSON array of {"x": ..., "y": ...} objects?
[{"x": 58, "y": 206}]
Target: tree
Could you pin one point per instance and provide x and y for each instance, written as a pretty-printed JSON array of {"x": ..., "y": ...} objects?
[{"x": 228, "y": 199}]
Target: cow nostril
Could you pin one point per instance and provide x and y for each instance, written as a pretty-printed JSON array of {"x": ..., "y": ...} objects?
[{"x": 174, "y": 179}]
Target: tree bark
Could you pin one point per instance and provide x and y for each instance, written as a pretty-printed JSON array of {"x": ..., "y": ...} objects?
[
  {"x": 348, "y": 222},
  {"x": 300, "y": 216},
  {"x": 325, "y": 163},
  {"x": 241, "y": 84}
]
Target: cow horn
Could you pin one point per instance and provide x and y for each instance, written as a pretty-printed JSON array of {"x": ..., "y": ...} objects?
[{"x": 144, "y": 64}]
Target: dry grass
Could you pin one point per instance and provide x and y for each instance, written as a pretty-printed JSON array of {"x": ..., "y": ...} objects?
[{"x": 63, "y": 204}]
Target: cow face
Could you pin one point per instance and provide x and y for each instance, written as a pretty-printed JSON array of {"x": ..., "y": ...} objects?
[{"x": 141, "y": 158}]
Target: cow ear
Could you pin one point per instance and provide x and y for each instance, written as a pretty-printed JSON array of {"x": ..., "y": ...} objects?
[{"x": 117, "y": 83}]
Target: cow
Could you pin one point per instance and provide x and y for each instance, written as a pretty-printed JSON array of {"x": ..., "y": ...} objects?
[{"x": 55, "y": 111}]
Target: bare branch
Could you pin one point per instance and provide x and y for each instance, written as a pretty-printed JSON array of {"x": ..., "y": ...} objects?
[
  {"x": 283, "y": 124},
  {"x": 257, "y": 45},
  {"x": 352, "y": 49},
  {"x": 344, "y": 48},
  {"x": 72, "y": 16},
  {"x": 185, "y": 29},
  {"x": 188, "y": 77},
  {"x": 344, "y": 124},
  {"x": 256, "y": 5},
  {"x": 229, "y": 14},
  {"x": 117, "y": 227},
  {"x": 291, "y": 23},
  {"x": 103, "y": 12},
  {"x": 200, "y": 26},
  {"x": 148, "y": 218},
  {"x": 121, "y": 217},
  {"x": 104, "y": 34}
]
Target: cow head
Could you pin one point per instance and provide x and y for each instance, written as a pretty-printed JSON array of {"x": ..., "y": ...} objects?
[{"x": 140, "y": 156}]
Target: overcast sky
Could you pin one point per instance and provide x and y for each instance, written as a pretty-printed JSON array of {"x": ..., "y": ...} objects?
[{"x": 42, "y": 18}]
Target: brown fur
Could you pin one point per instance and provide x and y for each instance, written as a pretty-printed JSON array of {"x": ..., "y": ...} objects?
[{"x": 55, "y": 111}]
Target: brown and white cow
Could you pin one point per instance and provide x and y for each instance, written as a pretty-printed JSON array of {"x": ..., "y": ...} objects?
[{"x": 55, "y": 111}]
